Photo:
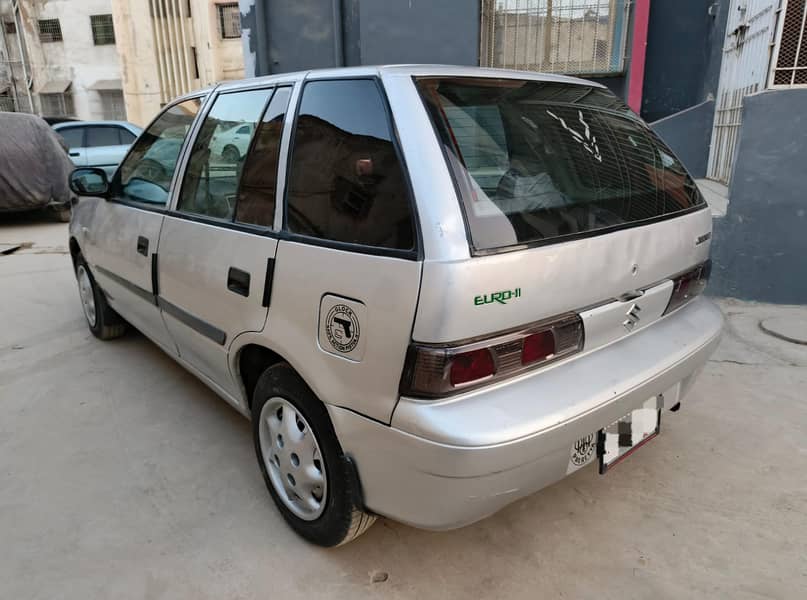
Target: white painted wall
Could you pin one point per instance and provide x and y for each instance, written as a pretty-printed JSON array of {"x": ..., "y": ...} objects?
[{"x": 76, "y": 58}]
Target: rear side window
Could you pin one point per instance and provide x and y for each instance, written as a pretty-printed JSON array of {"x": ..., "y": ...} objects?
[
  {"x": 538, "y": 161},
  {"x": 213, "y": 173},
  {"x": 126, "y": 136},
  {"x": 346, "y": 182},
  {"x": 103, "y": 136},
  {"x": 256, "y": 198}
]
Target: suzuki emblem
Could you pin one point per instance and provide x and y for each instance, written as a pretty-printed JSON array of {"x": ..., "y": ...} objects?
[{"x": 633, "y": 317}]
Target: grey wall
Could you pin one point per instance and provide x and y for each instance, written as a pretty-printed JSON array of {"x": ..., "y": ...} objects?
[
  {"x": 305, "y": 34},
  {"x": 759, "y": 248},
  {"x": 689, "y": 134},
  {"x": 684, "y": 49}
]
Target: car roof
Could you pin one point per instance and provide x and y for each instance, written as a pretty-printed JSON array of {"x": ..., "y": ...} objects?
[
  {"x": 412, "y": 70},
  {"x": 70, "y": 124}
]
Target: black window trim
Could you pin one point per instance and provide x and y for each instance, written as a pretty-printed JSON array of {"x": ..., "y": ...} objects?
[
  {"x": 460, "y": 188},
  {"x": 163, "y": 209},
  {"x": 169, "y": 209},
  {"x": 415, "y": 253}
]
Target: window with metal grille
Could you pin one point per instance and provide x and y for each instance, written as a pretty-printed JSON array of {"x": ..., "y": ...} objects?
[
  {"x": 57, "y": 105},
  {"x": 229, "y": 20},
  {"x": 103, "y": 32},
  {"x": 555, "y": 36},
  {"x": 112, "y": 105},
  {"x": 9, "y": 27},
  {"x": 50, "y": 30},
  {"x": 790, "y": 67}
]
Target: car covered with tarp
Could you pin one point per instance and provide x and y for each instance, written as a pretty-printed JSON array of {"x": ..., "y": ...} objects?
[{"x": 34, "y": 166}]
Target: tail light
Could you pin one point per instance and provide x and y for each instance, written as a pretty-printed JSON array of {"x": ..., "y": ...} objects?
[
  {"x": 688, "y": 285},
  {"x": 436, "y": 371}
]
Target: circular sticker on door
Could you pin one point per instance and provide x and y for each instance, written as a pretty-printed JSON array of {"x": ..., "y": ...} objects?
[
  {"x": 342, "y": 328},
  {"x": 583, "y": 450}
]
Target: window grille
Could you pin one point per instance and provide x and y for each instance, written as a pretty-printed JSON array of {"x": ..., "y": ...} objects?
[
  {"x": 555, "y": 36},
  {"x": 50, "y": 30},
  {"x": 790, "y": 67},
  {"x": 229, "y": 20},
  {"x": 112, "y": 105},
  {"x": 103, "y": 32},
  {"x": 57, "y": 105},
  {"x": 9, "y": 27}
]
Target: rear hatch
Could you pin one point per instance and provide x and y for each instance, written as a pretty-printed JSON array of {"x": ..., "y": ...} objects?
[{"x": 572, "y": 205}]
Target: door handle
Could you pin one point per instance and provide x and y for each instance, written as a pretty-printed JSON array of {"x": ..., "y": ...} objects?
[
  {"x": 238, "y": 281},
  {"x": 142, "y": 245},
  {"x": 75, "y": 154}
]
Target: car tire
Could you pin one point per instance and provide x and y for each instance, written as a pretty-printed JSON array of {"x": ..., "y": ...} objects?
[
  {"x": 103, "y": 321},
  {"x": 336, "y": 516},
  {"x": 62, "y": 213},
  {"x": 231, "y": 154}
]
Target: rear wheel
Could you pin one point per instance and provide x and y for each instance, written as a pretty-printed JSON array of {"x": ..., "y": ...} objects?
[
  {"x": 311, "y": 481},
  {"x": 104, "y": 322}
]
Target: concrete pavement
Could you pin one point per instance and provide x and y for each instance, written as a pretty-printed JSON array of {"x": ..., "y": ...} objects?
[{"x": 122, "y": 476}]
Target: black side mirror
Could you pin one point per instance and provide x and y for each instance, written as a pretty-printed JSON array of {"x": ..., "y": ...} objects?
[{"x": 89, "y": 181}]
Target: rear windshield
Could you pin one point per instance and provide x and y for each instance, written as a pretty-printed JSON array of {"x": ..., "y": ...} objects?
[{"x": 539, "y": 161}]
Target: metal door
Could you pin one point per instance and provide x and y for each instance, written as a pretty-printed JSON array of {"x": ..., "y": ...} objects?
[{"x": 750, "y": 31}]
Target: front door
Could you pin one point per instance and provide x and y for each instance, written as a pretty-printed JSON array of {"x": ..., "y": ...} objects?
[
  {"x": 74, "y": 138},
  {"x": 126, "y": 229},
  {"x": 217, "y": 249}
]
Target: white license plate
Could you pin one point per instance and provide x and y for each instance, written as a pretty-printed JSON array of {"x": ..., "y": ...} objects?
[{"x": 626, "y": 435}]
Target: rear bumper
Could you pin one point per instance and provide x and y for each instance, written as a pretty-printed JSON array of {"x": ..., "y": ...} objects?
[{"x": 445, "y": 464}]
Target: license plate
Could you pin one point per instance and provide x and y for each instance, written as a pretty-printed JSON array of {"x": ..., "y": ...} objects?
[{"x": 626, "y": 435}]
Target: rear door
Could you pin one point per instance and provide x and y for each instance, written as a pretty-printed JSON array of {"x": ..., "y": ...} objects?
[
  {"x": 348, "y": 270},
  {"x": 106, "y": 145},
  {"x": 217, "y": 248},
  {"x": 123, "y": 235}
]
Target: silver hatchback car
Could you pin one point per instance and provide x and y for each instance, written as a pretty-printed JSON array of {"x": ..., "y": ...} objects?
[{"x": 434, "y": 290}]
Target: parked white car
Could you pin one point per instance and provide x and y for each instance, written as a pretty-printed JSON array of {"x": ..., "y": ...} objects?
[
  {"x": 434, "y": 290},
  {"x": 232, "y": 143},
  {"x": 101, "y": 144}
]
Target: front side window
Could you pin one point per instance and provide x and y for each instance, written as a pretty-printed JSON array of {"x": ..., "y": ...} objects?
[
  {"x": 538, "y": 161},
  {"x": 256, "y": 197},
  {"x": 73, "y": 136},
  {"x": 214, "y": 170},
  {"x": 145, "y": 175},
  {"x": 346, "y": 182}
]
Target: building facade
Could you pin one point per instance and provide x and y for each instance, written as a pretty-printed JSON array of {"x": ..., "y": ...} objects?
[
  {"x": 171, "y": 47},
  {"x": 58, "y": 58}
]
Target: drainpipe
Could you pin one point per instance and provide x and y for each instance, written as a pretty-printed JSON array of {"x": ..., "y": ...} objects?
[
  {"x": 641, "y": 23},
  {"x": 17, "y": 14},
  {"x": 338, "y": 34},
  {"x": 13, "y": 82},
  {"x": 263, "y": 62}
]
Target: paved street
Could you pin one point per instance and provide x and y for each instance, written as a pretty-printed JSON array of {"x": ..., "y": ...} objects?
[{"x": 122, "y": 476}]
